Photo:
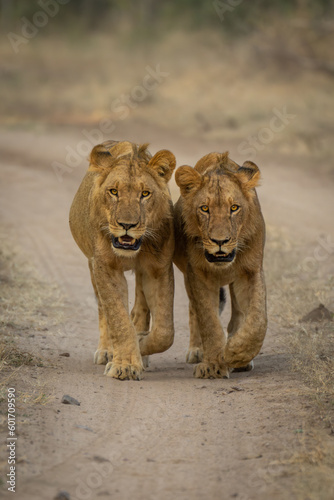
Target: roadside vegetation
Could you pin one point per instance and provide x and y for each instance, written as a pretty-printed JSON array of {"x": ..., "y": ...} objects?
[
  {"x": 301, "y": 301},
  {"x": 27, "y": 306}
]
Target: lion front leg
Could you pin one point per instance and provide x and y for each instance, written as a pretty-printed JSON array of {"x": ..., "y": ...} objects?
[
  {"x": 204, "y": 300},
  {"x": 158, "y": 286},
  {"x": 104, "y": 352},
  {"x": 248, "y": 324},
  {"x": 112, "y": 290}
]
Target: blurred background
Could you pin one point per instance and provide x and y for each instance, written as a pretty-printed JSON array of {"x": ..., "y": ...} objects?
[{"x": 256, "y": 77}]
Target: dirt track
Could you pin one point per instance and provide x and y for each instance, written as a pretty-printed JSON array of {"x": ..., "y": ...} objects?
[{"x": 170, "y": 435}]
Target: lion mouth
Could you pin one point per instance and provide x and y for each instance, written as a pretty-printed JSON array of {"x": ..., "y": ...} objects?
[
  {"x": 220, "y": 256},
  {"x": 126, "y": 242}
]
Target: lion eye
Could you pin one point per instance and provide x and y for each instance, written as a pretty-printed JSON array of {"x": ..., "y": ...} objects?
[
  {"x": 204, "y": 208},
  {"x": 145, "y": 194},
  {"x": 114, "y": 192},
  {"x": 234, "y": 208}
]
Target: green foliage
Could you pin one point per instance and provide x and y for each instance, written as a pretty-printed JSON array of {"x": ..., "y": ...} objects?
[{"x": 229, "y": 15}]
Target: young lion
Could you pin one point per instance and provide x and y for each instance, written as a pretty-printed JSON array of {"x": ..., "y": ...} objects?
[
  {"x": 121, "y": 219},
  {"x": 219, "y": 240}
]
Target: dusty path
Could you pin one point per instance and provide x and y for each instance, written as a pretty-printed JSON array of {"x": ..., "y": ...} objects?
[{"x": 169, "y": 436}]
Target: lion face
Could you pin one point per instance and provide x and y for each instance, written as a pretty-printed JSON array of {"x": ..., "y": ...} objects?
[
  {"x": 131, "y": 194},
  {"x": 217, "y": 197},
  {"x": 221, "y": 210},
  {"x": 132, "y": 199}
]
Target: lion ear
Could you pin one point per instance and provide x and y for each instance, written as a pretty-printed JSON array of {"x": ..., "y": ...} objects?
[
  {"x": 249, "y": 174},
  {"x": 163, "y": 163},
  {"x": 188, "y": 179},
  {"x": 103, "y": 155}
]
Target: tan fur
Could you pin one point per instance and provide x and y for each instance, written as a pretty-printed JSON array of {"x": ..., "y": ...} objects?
[
  {"x": 108, "y": 228},
  {"x": 216, "y": 184}
]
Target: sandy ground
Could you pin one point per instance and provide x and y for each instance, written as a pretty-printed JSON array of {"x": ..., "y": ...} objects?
[{"x": 170, "y": 435}]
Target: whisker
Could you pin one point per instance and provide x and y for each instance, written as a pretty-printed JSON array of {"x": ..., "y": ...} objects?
[
  {"x": 105, "y": 229},
  {"x": 242, "y": 246}
]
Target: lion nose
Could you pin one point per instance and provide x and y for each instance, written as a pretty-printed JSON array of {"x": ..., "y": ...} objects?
[
  {"x": 221, "y": 242},
  {"x": 127, "y": 226}
]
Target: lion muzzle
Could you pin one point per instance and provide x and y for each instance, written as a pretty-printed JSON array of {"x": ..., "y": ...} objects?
[
  {"x": 220, "y": 256},
  {"x": 126, "y": 242}
]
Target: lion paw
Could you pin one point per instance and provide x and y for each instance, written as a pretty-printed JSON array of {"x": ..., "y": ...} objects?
[
  {"x": 211, "y": 370},
  {"x": 123, "y": 371},
  {"x": 194, "y": 355},
  {"x": 102, "y": 356},
  {"x": 247, "y": 368}
]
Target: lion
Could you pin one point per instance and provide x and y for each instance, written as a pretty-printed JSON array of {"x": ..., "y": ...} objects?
[
  {"x": 121, "y": 218},
  {"x": 219, "y": 240}
]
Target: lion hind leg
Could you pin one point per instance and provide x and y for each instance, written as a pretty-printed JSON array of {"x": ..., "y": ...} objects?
[
  {"x": 246, "y": 368},
  {"x": 140, "y": 314},
  {"x": 194, "y": 355},
  {"x": 246, "y": 335},
  {"x": 158, "y": 290},
  {"x": 146, "y": 361}
]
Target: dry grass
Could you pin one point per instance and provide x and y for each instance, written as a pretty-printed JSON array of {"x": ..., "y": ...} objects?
[
  {"x": 313, "y": 466},
  {"x": 312, "y": 348},
  {"x": 291, "y": 296},
  {"x": 26, "y": 301},
  {"x": 27, "y": 304},
  {"x": 11, "y": 360},
  {"x": 12, "y": 356},
  {"x": 37, "y": 394}
]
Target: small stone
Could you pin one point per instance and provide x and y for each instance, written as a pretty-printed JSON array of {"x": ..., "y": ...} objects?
[
  {"x": 68, "y": 400},
  {"x": 65, "y": 354},
  {"x": 318, "y": 314},
  {"x": 62, "y": 495},
  {"x": 84, "y": 427},
  {"x": 100, "y": 459}
]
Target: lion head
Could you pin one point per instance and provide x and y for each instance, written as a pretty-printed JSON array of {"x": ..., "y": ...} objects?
[
  {"x": 219, "y": 205},
  {"x": 130, "y": 196}
]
